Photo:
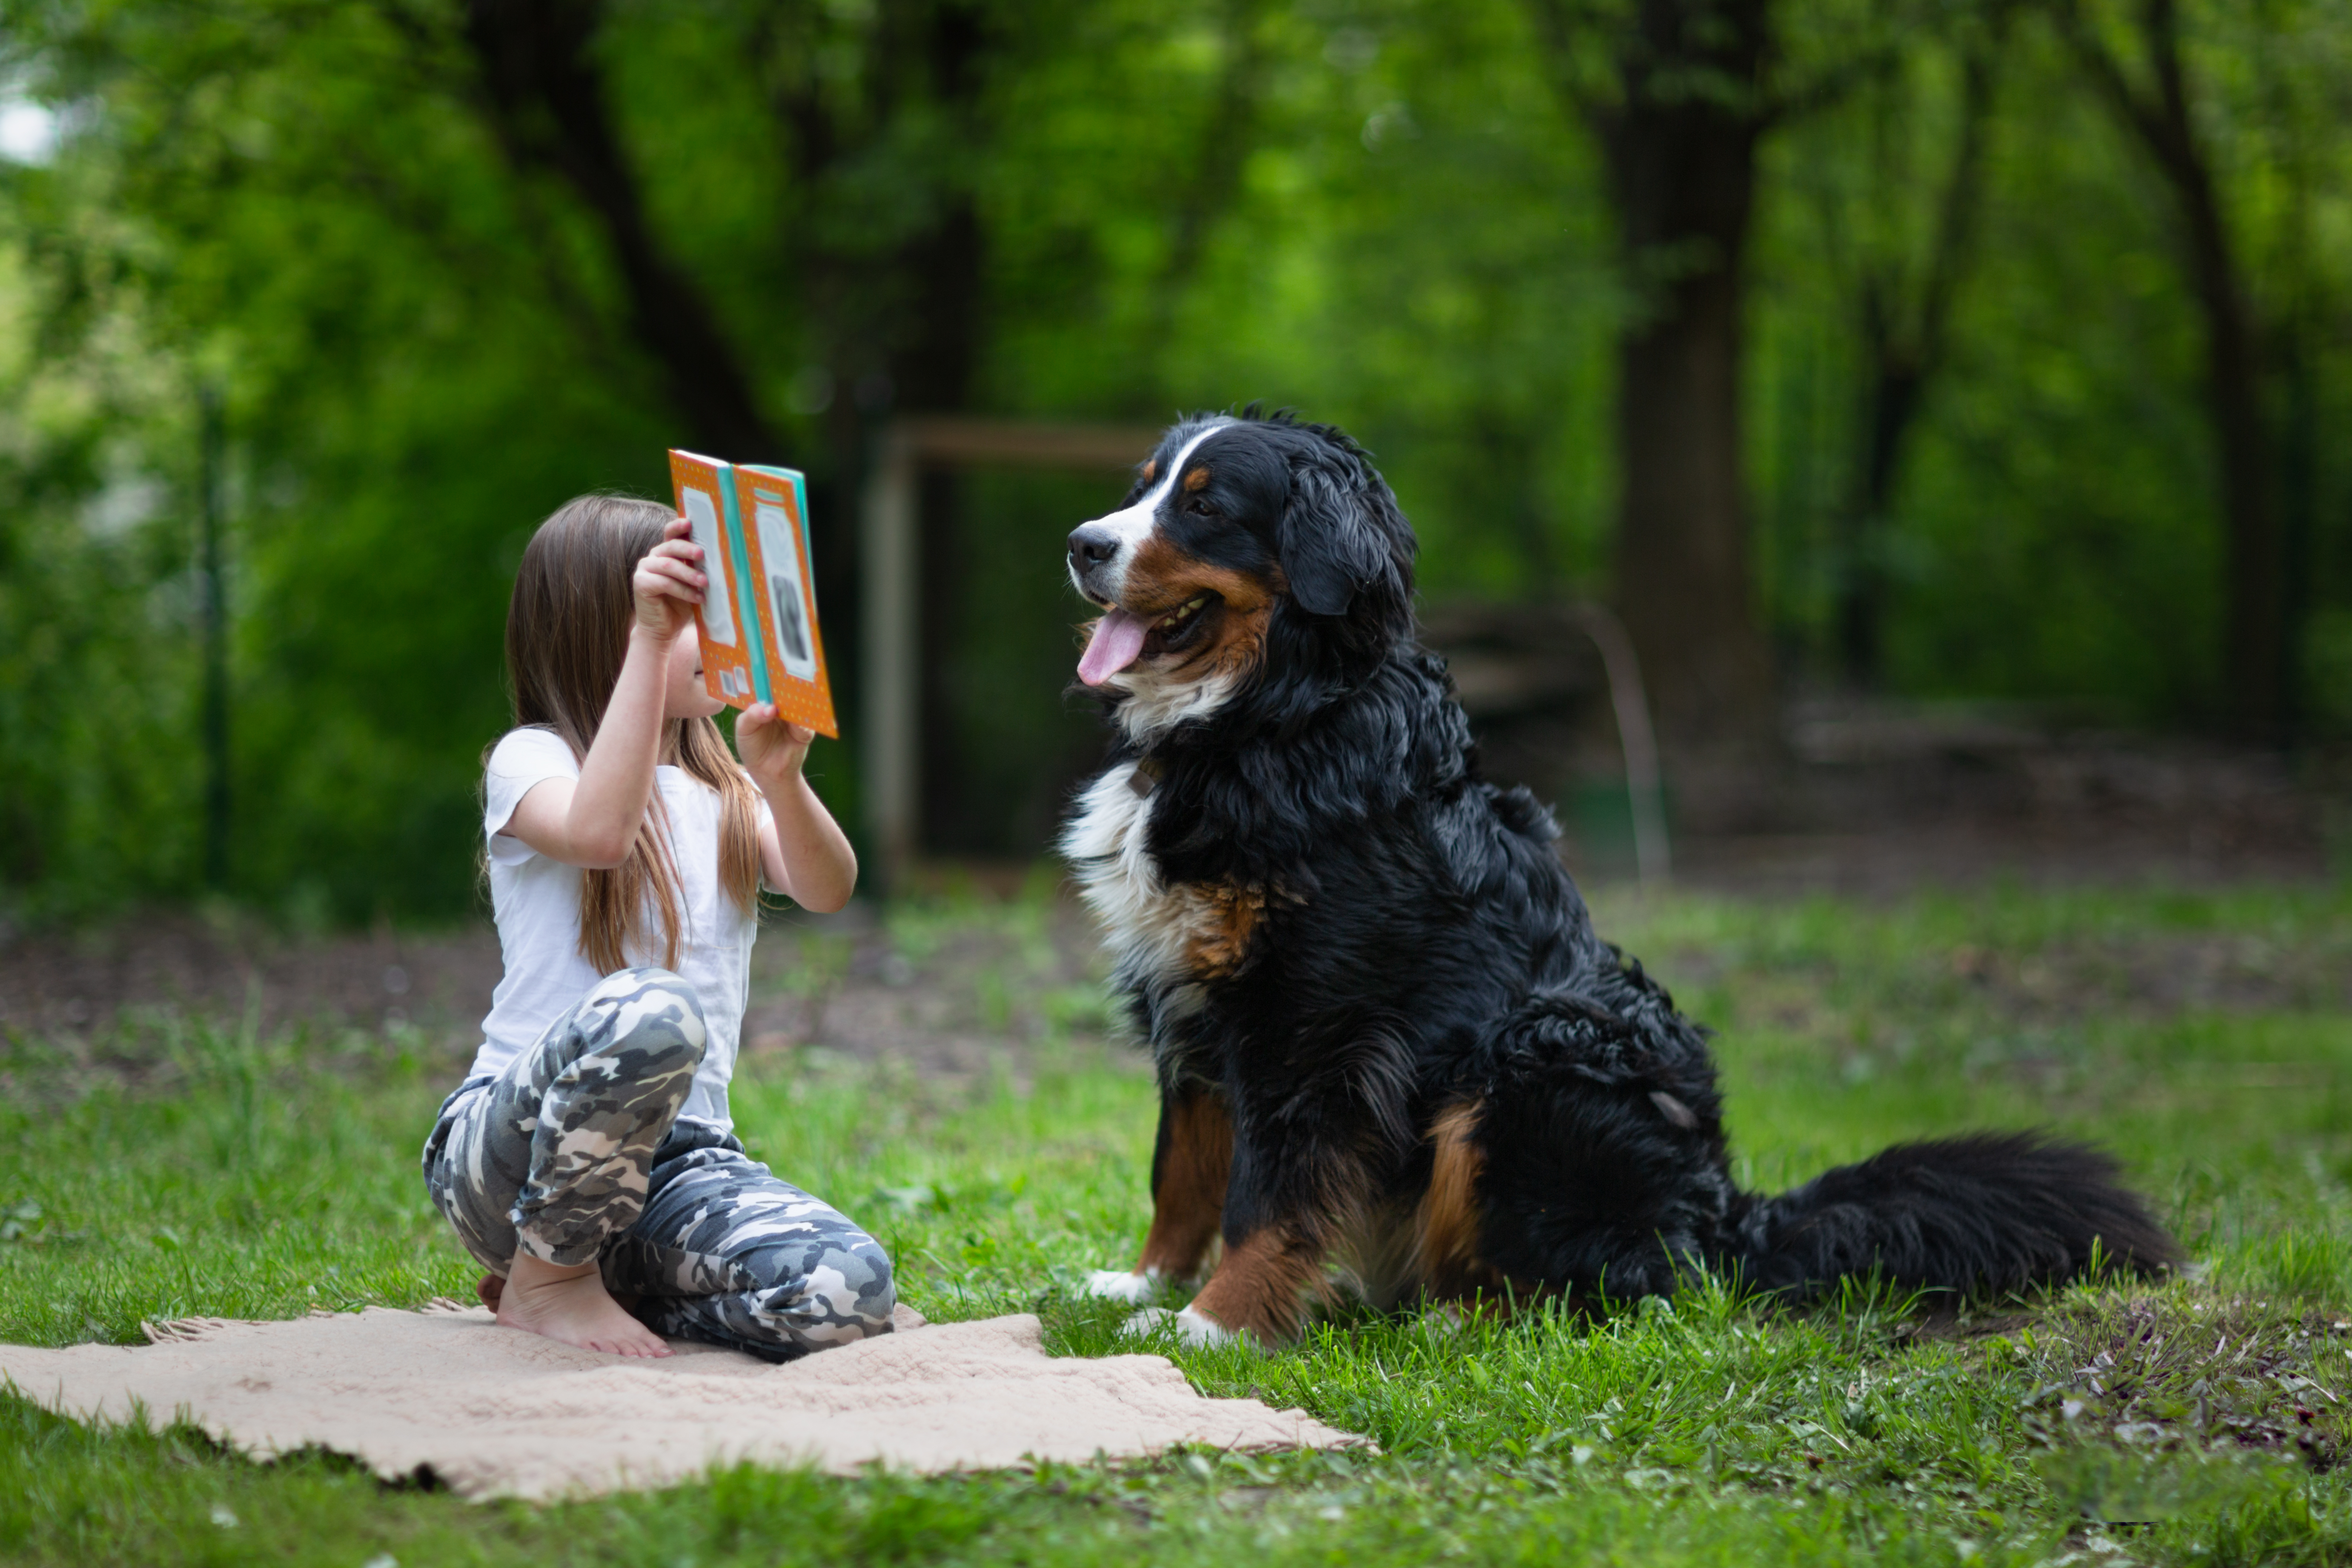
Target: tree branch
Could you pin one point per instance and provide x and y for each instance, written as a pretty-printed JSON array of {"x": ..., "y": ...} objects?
[
  {"x": 1224, "y": 148},
  {"x": 1829, "y": 89},
  {"x": 1559, "y": 24},
  {"x": 1956, "y": 216},
  {"x": 543, "y": 96},
  {"x": 2109, "y": 76}
]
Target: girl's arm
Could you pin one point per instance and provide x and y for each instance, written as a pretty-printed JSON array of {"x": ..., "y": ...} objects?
[
  {"x": 803, "y": 854},
  {"x": 592, "y": 821}
]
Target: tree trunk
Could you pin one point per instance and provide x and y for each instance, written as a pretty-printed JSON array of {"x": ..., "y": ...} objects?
[
  {"x": 1215, "y": 178},
  {"x": 935, "y": 367},
  {"x": 545, "y": 99},
  {"x": 2161, "y": 117},
  {"x": 1898, "y": 384},
  {"x": 900, "y": 330},
  {"x": 1682, "y": 175},
  {"x": 923, "y": 359},
  {"x": 895, "y": 318},
  {"x": 897, "y": 322},
  {"x": 1906, "y": 347},
  {"x": 2257, "y": 650}
]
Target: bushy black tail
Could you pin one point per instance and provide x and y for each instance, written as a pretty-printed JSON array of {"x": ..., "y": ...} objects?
[{"x": 1980, "y": 1214}]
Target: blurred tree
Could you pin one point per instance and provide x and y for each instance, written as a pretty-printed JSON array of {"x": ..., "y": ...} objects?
[
  {"x": 541, "y": 89},
  {"x": 1677, "y": 113},
  {"x": 1904, "y": 310},
  {"x": 2153, "y": 97},
  {"x": 880, "y": 116},
  {"x": 1679, "y": 96},
  {"x": 458, "y": 260},
  {"x": 2065, "y": 464},
  {"x": 1228, "y": 134},
  {"x": 1569, "y": 266}
]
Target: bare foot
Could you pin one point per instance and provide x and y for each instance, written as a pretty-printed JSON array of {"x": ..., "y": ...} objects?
[
  {"x": 572, "y": 1305},
  {"x": 489, "y": 1287}
]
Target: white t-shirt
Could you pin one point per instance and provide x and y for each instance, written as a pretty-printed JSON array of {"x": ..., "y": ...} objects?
[{"x": 537, "y": 901}]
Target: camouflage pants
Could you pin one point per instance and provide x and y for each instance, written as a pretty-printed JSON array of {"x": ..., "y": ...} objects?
[{"x": 577, "y": 1152}]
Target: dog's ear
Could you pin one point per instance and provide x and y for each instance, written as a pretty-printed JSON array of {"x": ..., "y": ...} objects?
[{"x": 1330, "y": 543}]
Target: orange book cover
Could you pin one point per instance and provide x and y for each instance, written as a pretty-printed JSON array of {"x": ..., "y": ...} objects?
[
  {"x": 771, "y": 511},
  {"x": 706, "y": 496}
]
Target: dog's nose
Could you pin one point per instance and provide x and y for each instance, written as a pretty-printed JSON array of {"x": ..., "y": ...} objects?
[{"x": 1091, "y": 544}]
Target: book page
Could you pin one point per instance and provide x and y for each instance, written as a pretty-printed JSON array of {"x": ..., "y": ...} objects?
[
  {"x": 787, "y": 592},
  {"x": 718, "y": 601}
]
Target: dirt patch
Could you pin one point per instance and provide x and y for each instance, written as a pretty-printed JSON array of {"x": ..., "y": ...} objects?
[
  {"x": 2155, "y": 975},
  {"x": 951, "y": 985},
  {"x": 953, "y": 989},
  {"x": 2173, "y": 1372},
  {"x": 1880, "y": 800},
  {"x": 63, "y": 985}
]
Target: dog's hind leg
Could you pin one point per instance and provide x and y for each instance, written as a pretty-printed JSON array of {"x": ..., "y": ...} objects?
[
  {"x": 1189, "y": 1166},
  {"x": 1599, "y": 1190}
]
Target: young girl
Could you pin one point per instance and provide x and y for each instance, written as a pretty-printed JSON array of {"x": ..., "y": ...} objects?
[{"x": 587, "y": 1159}]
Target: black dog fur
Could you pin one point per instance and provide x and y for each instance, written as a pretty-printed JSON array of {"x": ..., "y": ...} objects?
[{"x": 1386, "y": 1032}]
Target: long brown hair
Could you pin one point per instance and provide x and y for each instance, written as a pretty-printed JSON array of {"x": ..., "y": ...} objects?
[{"x": 567, "y": 634}]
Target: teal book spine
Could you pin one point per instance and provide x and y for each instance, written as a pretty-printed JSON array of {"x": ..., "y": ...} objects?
[
  {"x": 808, "y": 540},
  {"x": 754, "y": 615}
]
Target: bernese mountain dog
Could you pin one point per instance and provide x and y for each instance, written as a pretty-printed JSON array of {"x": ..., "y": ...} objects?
[{"x": 1392, "y": 1050}]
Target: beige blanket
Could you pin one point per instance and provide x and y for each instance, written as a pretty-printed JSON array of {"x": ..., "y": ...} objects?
[{"x": 495, "y": 1413}]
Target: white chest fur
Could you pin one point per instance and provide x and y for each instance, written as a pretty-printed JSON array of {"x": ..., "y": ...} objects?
[
  {"x": 1148, "y": 926},
  {"x": 1157, "y": 703}
]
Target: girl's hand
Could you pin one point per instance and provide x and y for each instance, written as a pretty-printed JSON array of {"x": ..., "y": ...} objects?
[
  {"x": 772, "y": 750},
  {"x": 668, "y": 582}
]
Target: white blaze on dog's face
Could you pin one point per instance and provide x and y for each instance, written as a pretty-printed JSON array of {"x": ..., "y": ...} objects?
[
  {"x": 1102, "y": 552},
  {"x": 1186, "y": 575}
]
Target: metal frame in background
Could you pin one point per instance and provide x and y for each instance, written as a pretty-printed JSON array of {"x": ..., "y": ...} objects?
[{"x": 890, "y": 592}]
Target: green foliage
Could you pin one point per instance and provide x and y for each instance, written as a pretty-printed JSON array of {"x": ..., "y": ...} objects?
[
  {"x": 2054, "y": 535},
  {"x": 1378, "y": 211}
]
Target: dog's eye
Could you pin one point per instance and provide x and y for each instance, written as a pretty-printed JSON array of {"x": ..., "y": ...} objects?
[{"x": 1198, "y": 506}]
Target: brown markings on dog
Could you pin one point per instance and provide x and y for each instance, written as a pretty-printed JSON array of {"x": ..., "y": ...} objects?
[
  {"x": 1446, "y": 1225},
  {"x": 1188, "y": 1191},
  {"x": 1231, "y": 913},
  {"x": 1150, "y": 469},
  {"x": 1234, "y": 645},
  {"x": 1263, "y": 1285},
  {"x": 1196, "y": 480},
  {"x": 1162, "y": 577},
  {"x": 1236, "y": 642}
]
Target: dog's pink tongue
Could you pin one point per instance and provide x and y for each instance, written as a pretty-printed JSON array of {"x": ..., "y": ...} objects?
[{"x": 1118, "y": 639}]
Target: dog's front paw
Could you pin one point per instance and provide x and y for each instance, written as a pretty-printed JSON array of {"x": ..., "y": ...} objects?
[
  {"x": 1196, "y": 1329},
  {"x": 1147, "y": 1322},
  {"x": 1118, "y": 1285}
]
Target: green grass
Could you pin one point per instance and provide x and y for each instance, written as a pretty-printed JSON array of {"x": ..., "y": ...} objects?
[{"x": 175, "y": 1169}]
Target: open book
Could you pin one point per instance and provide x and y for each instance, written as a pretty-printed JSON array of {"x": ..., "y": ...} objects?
[{"x": 758, "y": 622}]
